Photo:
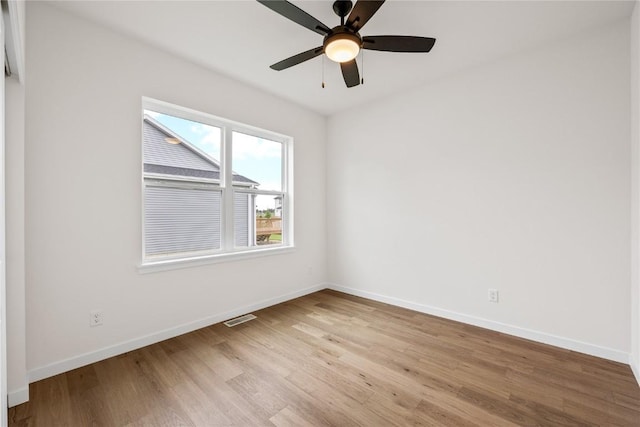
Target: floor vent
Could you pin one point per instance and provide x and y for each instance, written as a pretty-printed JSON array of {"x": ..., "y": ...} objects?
[{"x": 238, "y": 320}]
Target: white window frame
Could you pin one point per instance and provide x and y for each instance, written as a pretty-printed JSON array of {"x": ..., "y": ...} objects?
[{"x": 228, "y": 251}]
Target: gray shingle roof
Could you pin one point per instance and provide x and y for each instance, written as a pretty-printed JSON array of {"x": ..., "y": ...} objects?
[{"x": 180, "y": 158}]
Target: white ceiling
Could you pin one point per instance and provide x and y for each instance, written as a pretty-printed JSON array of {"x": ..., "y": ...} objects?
[{"x": 241, "y": 39}]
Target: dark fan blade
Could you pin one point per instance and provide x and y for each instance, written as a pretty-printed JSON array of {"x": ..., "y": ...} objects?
[
  {"x": 350, "y": 73},
  {"x": 398, "y": 43},
  {"x": 361, "y": 13},
  {"x": 296, "y": 14},
  {"x": 297, "y": 59}
]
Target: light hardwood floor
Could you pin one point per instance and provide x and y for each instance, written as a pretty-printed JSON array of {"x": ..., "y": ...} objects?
[{"x": 334, "y": 359}]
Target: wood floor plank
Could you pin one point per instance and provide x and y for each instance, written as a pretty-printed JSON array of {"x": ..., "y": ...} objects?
[
  {"x": 429, "y": 414},
  {"x": 330, "y": 359},
  {"x": 288, "y": 418}
]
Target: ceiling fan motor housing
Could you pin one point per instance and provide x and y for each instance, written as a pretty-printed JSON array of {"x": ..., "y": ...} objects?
[
  {"x": 342, "y": 32},
  {"x": 342, "y": 7}
]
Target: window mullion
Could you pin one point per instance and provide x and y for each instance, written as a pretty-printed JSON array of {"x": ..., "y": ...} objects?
[
  {"x": 227, "y": 223},
  {"x": 287, "y": 190}
]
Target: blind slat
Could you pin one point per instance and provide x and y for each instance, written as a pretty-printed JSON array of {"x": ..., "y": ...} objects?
[
  {"x": 181, "y": 220},
  {"x": 242, "y": 208}
]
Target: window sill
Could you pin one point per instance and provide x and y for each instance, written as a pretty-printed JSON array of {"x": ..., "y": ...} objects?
[{"x": 174, "y": 264}]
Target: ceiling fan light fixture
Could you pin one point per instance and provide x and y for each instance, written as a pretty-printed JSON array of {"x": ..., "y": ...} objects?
[
  {"x": 343, "y": 42},
  {"x": 342, "y": 47}
]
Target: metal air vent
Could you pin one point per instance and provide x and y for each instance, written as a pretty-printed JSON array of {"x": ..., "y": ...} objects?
[{"x": 238, "y": 320}]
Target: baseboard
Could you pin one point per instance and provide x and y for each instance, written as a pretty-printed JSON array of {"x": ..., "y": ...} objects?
[
  {"x": 22, "y": 395},
  {"x": 635, "y": 368},
  {"x": 562, "y": 342},
  {"x": 17, "y": 397},
  {"x": 66, "y": 365}
]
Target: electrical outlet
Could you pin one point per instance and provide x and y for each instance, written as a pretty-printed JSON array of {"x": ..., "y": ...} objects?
[
  {"x": 493, "y": 295},
  {"x": 95, "y": 318}
]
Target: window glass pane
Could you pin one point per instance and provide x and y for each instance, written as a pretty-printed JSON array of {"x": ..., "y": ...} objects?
[
  {"x": 268, "y": 219},
  {"x": 183, "y": 197},
  {"x": 180, "y": 147},
  {"x": 257, "y": 219},
  {"x": 181, "y": 220},
  {"x": 257, "y": 161}
]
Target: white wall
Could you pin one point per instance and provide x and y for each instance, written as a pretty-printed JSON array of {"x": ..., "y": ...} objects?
[
  {"x": 635, "y": 191},
  {"x": 83, "y": 196},
  {"x": 17, "y": 383},
  {"x": 514, "y": 175}
]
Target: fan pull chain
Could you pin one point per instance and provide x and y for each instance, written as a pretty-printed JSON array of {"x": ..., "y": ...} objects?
[
  {"x": 362, "y": 65},
  {"x": 323, "y": 71}
]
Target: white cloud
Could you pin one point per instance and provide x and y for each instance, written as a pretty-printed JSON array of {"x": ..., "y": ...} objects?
[
  {"x": 246, "y": 146},
  {"x": 270, "y": 185},
  {"x": 209, "y": 139}
]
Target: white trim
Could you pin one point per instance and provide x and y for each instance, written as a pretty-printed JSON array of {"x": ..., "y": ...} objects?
[
  {"x": 184, "y": 184},
  {"x": 75, "y": 362},
  {"x": 634, "y": 368},
  {"x": 143, "y": 184},
  {"x": 287, "y": 206},
  {"x": 177, "y": 263},
  {"x": 557, "y": 341},
  {"x": 154, "y": 176},
  {"x": 162, "y": 177},
  {"x": 258, "y": 191},
  {"x": 19, "y": 396},
  {"x": 226, "y": 174},
  {"x": 209, "y": 119},
  {"x": 22, "y": 395},
  {"x": 3, "y": 253}
]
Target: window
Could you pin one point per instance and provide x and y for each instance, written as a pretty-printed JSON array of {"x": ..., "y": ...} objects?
[{"x": 212, "y": 187}]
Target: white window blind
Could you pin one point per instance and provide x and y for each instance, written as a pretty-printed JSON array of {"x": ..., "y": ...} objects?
[
  {"x": 242, "y": 214},
  {"x": 180, "y": 220}
]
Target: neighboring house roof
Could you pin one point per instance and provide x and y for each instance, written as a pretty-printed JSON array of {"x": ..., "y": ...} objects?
[{"x": 167, "y": 153}]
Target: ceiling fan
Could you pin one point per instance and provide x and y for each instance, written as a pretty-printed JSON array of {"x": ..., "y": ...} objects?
[{"x": 342, "y": 43}]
